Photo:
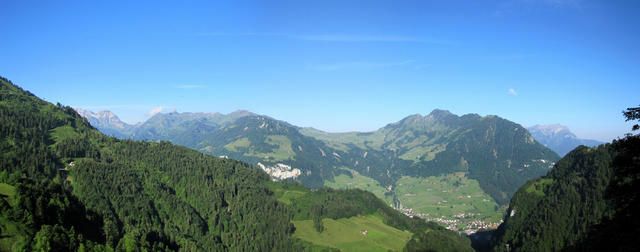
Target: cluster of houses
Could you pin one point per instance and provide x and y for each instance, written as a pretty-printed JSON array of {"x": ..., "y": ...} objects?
[
  {"x": 468, "y": 226},
  {"x": 474, "y": 226}
]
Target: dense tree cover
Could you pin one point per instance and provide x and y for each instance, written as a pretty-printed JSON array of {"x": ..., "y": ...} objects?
[
  {"x": 437, "y": 238},
  {"x": 554, "y": 212},
  {"x": 25, "y": 131},
  {"x": 181, "y": 198},
  {"x": 588, "y": 202},
  {"x": 148, "y": 195},
  {"x": 77, "y": 189},
  {"x": 618, "y": 231},
  {"x": 53, "y": 219},
  {"x": 498, "y": 153}
]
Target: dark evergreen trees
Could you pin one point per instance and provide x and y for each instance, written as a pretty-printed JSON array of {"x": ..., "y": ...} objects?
[
  {"x": 588, "y": 202},
  {"x": 66, "y": 187}
]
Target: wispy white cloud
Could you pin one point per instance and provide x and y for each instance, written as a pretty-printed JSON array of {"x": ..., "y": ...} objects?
[
  {"x": 154, "y": 111},
  {"x": 512, "y": 92},
  {"x": 189, "y": 86},
  {"x": 358, "y": 65}
]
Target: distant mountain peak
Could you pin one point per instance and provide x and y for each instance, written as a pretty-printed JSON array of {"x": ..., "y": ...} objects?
[
  {"x": 240, "y": 113},
  {"x": 103, "y": 118},
  {"x": 440, "y": 112},
  {"x": 559, "y": 138},
  {"x": 552, "y": 129},
  {"x": 435, "y": 114}
]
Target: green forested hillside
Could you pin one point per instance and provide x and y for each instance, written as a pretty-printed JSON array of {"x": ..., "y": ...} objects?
[
  {"x": 66, "y": 187},
  {"x": 588, "y": 202},
  {"x": 153, "y": 195},
  {"x": 500, "y": 155}
]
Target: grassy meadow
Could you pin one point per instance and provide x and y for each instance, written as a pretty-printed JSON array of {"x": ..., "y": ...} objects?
[
  {"x": 346, "y": 234},
  {"x": 447, "y": 196},
  {"x": 359, "y": 181}
]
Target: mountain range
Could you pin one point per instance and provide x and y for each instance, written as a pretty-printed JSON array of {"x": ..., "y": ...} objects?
[
  {"x": 489, "y": 155},
  {"x": 556, "y": 137},
  {"x": 64, "y": 186},
  {"x": 107, "y": 122},
  {"x": 559, "y": 138}
]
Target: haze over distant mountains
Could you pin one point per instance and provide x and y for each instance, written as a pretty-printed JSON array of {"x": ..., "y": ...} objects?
[
  {"x": 416, "y": 145},
  {"x": 124, "y": 188},
  {"x": 556, "y": 137},
  {"x": 474, "y": 163},
  {"x": 64, "y": 186},
  {"x": 559, "y": 138},
  {"x": 107, "y": 122}
]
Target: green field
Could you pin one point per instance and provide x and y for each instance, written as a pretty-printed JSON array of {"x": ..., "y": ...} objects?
[
  {"x": 63, "y": 132},
  {"x": 418, "y": 152},
  {"x": 447, "y": 196},
  {"x": 282, "y": 152},
  {"x": 345, "y": 234},
  {"x": 285, "y": 193},
  {"x": 341, "y": 141},
  {"x": 7, "y": 190},
  {"x": 361, "y": 182},
  {"x": 240, "y": 143},
  {"x": 286, "y": 196},
  {"x": 538, "y": 186}
]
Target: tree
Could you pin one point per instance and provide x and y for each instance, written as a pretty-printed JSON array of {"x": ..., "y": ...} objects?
[{"x": 632, "y": 114}]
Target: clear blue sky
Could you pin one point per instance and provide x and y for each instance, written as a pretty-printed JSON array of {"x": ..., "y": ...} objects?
[{"x": 333, "y": 65}]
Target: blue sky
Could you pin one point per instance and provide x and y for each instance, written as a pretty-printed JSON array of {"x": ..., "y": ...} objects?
[{"x": 333, "y": 65}]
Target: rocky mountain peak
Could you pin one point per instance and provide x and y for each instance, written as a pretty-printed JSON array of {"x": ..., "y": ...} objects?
[
  {"x": 552, "y": 130},
  {"x": 439, "y": 113},
  {"x": 558, "y": 138},
  {"x": 102, "y": 118}
]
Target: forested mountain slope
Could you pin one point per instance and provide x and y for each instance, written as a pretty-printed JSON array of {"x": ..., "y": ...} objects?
[
  {"x": 66, "y": 187},
  {"x": 499, "y": 154},
  {"x": 153, "y": 195},
  {"x": 588, "y": 202}
]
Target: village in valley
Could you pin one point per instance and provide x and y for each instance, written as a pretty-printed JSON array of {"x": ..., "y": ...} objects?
[{"x": 468, "y": 223}]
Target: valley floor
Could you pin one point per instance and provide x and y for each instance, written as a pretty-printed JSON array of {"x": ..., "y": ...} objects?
[
  {"x": 358, "y": 233},
  {"x": 453, "y": 200}
]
